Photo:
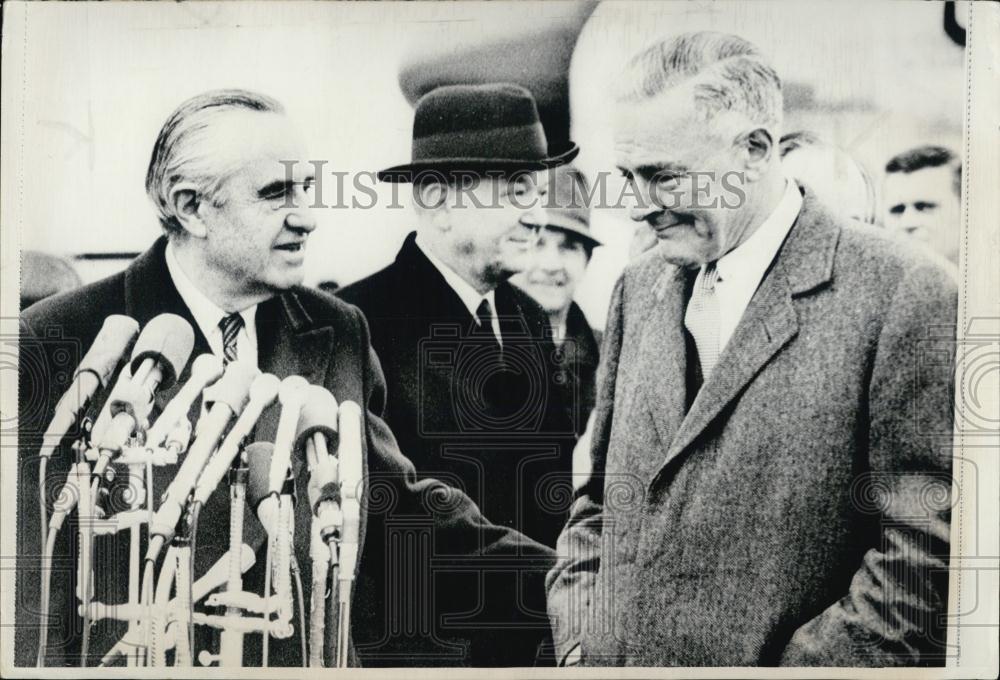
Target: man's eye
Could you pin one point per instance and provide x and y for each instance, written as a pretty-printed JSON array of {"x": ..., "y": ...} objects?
[
  {"x": 921, "y": 206},
  {"x": 896, "y": 209}
]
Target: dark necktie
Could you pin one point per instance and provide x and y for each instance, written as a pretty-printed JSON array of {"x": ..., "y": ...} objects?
[
  {"x": 484, "y": 315},
  {"x": 230, "y": 326}
]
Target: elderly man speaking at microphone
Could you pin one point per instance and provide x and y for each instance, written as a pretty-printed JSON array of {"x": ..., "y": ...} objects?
[{"x": 236, "y": 222}]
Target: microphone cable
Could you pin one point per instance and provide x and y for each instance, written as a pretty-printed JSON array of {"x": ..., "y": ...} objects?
[
  {"x": 268, "y": 566},
  {"x": 43, "y": 633},
  {"x": 195, "y": 512},
  {"x": 300, "y": 603}
]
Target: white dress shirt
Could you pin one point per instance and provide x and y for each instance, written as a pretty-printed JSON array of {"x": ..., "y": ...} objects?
[
  {"x": 470, "y": 297},
  {"x": 742, "y": 269},
  {"x": 208, "y": 315}
]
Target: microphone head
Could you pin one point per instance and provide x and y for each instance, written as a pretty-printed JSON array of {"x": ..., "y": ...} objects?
[
  {"x": 350, "y": 451},
  {"x": 233, "y": 388},
  {"x": 318, "y": 414},
  {"x": 169, "y": 340},
  {"x": 264, "y": 389},
  {"x": 206, "y": 369},
  {"x": 291, "y": 389},
  {"x": 112, "y": 342},
  {"x": 258, "y": 480}
]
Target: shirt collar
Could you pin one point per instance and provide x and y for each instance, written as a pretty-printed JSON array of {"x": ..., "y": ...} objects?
[
  {"x": 206, "y": 313},
  {"x": 746, "y": 264},
  {"x": 470, "y": 297}
]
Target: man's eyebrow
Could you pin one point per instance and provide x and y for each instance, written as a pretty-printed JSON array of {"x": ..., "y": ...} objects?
[
  {"x": 281, "y": 186},
  {"x": 652, "y": 169}
]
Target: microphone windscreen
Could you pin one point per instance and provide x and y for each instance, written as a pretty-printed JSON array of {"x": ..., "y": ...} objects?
[
  {"x": 112, "y": 342},
  {"x": 233, "y": 388},
  {"x": 264, "y": 389},
  {"x": 169, "y": 340},
  {"x": 206, "y": 368},
  {"x": 319, "y": 414},
  {"x": 258, "y": 470}
]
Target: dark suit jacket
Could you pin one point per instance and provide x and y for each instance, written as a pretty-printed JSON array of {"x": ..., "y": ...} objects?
[
  {"x": 798, "y": 513},
  {"x": 515, "y": 460},
  {"x": 424, "y": 335},
  {"x": 582, "y": 350},
  {"x": 300, "y": 332}
]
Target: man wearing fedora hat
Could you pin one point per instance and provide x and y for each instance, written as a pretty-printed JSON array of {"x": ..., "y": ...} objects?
[
  {"x": 476, "y": 389},
  {"x": 565, "y": 246}
]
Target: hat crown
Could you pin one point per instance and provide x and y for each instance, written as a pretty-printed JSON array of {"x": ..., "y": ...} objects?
[
  {"x": 477, "y": 128},
  {"x": 461, "y": 108}
]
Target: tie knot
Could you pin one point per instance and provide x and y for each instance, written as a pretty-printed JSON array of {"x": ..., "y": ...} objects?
[
  {"x": 484, "y": 315},
  {"x": 231, "y": 323},
  {"x": 709, "y": 277},
  {"x": 230, "y": 326}
]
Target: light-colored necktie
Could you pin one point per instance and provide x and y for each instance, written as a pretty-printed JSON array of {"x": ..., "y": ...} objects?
[
  {"x": 702, "y": 319},
  {"x": 231, "y": 326}
]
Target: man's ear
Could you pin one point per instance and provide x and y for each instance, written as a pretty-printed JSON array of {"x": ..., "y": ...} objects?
[
  {"x": 185, "y": 201},
  {"x": 435, "y": 202},
  {"x": 757, "y": 149}
]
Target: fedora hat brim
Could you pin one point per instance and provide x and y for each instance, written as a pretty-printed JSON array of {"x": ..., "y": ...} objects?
[
  {"x": 442, "y": 166},
  {"x": 556, "y": 220}
]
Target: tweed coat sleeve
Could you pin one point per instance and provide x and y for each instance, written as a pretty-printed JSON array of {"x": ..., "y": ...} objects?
[
  {"x": 893, "y": 611},
  {"x": 571, "y": 582}
]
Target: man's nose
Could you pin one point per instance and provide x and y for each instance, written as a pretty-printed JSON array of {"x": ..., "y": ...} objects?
[
  {"x": 548, "y": 259},
  {"x": 301, "y": 219},
  {"x": 642, "y": 205},
  {"x": 535, "y": 217}
]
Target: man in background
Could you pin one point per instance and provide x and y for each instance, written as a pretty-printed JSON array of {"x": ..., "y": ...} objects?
[
  {"x": 768, "y": 434},
  {"x": 922, "y": 197},
  {"x": 837, "y": 178},
  {"x": 473, "y": 381},
  {"x": 565, "y": 246},
  {"x": 43, "y": 274}
]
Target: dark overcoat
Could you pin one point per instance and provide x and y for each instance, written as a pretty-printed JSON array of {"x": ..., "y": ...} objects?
[
  {"x": 405, "y": 523},
  {"x": 514, "y": 459},
  {"x": 501, "y": 432}
]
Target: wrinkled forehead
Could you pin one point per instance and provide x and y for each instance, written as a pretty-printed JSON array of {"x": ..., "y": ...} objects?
[
  {"x": 259, "y": 146},
  {"x": 666, "y": 128}
]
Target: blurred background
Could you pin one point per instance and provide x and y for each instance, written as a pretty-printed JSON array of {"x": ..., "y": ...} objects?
[{"x": 872, "y": 78}]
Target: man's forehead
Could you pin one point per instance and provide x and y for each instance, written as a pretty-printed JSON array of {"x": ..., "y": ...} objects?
[
  {"x": 256, "y": 144},
  {"x": 664, "y": 126},
  {"x": 920, "y": 183}
]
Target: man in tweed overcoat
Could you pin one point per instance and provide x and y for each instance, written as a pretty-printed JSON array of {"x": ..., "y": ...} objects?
[{"x": 772, "y": 446}]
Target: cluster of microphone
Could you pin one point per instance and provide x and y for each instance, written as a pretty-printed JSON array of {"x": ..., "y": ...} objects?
[{"x": 312, "y": 426}]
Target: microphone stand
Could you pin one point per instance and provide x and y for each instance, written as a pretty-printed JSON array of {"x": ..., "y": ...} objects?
[{"x": 231, "y": 640}]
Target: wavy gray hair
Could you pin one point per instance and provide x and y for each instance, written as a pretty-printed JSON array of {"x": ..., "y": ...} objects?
[
  {"x": 728, "y": 74},
  {"x": 181, "y": 153}
]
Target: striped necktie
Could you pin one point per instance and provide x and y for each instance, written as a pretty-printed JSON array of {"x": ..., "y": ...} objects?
[
  {"x": 702, "y": 319},
  {"x": 231, "y": 326}
]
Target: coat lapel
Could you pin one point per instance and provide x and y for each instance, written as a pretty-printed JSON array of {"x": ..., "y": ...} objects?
[
  {"x": 662, "y": 351},
  {"x": 770, "y": 322},
  {"x": 289, "y": 343}
]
